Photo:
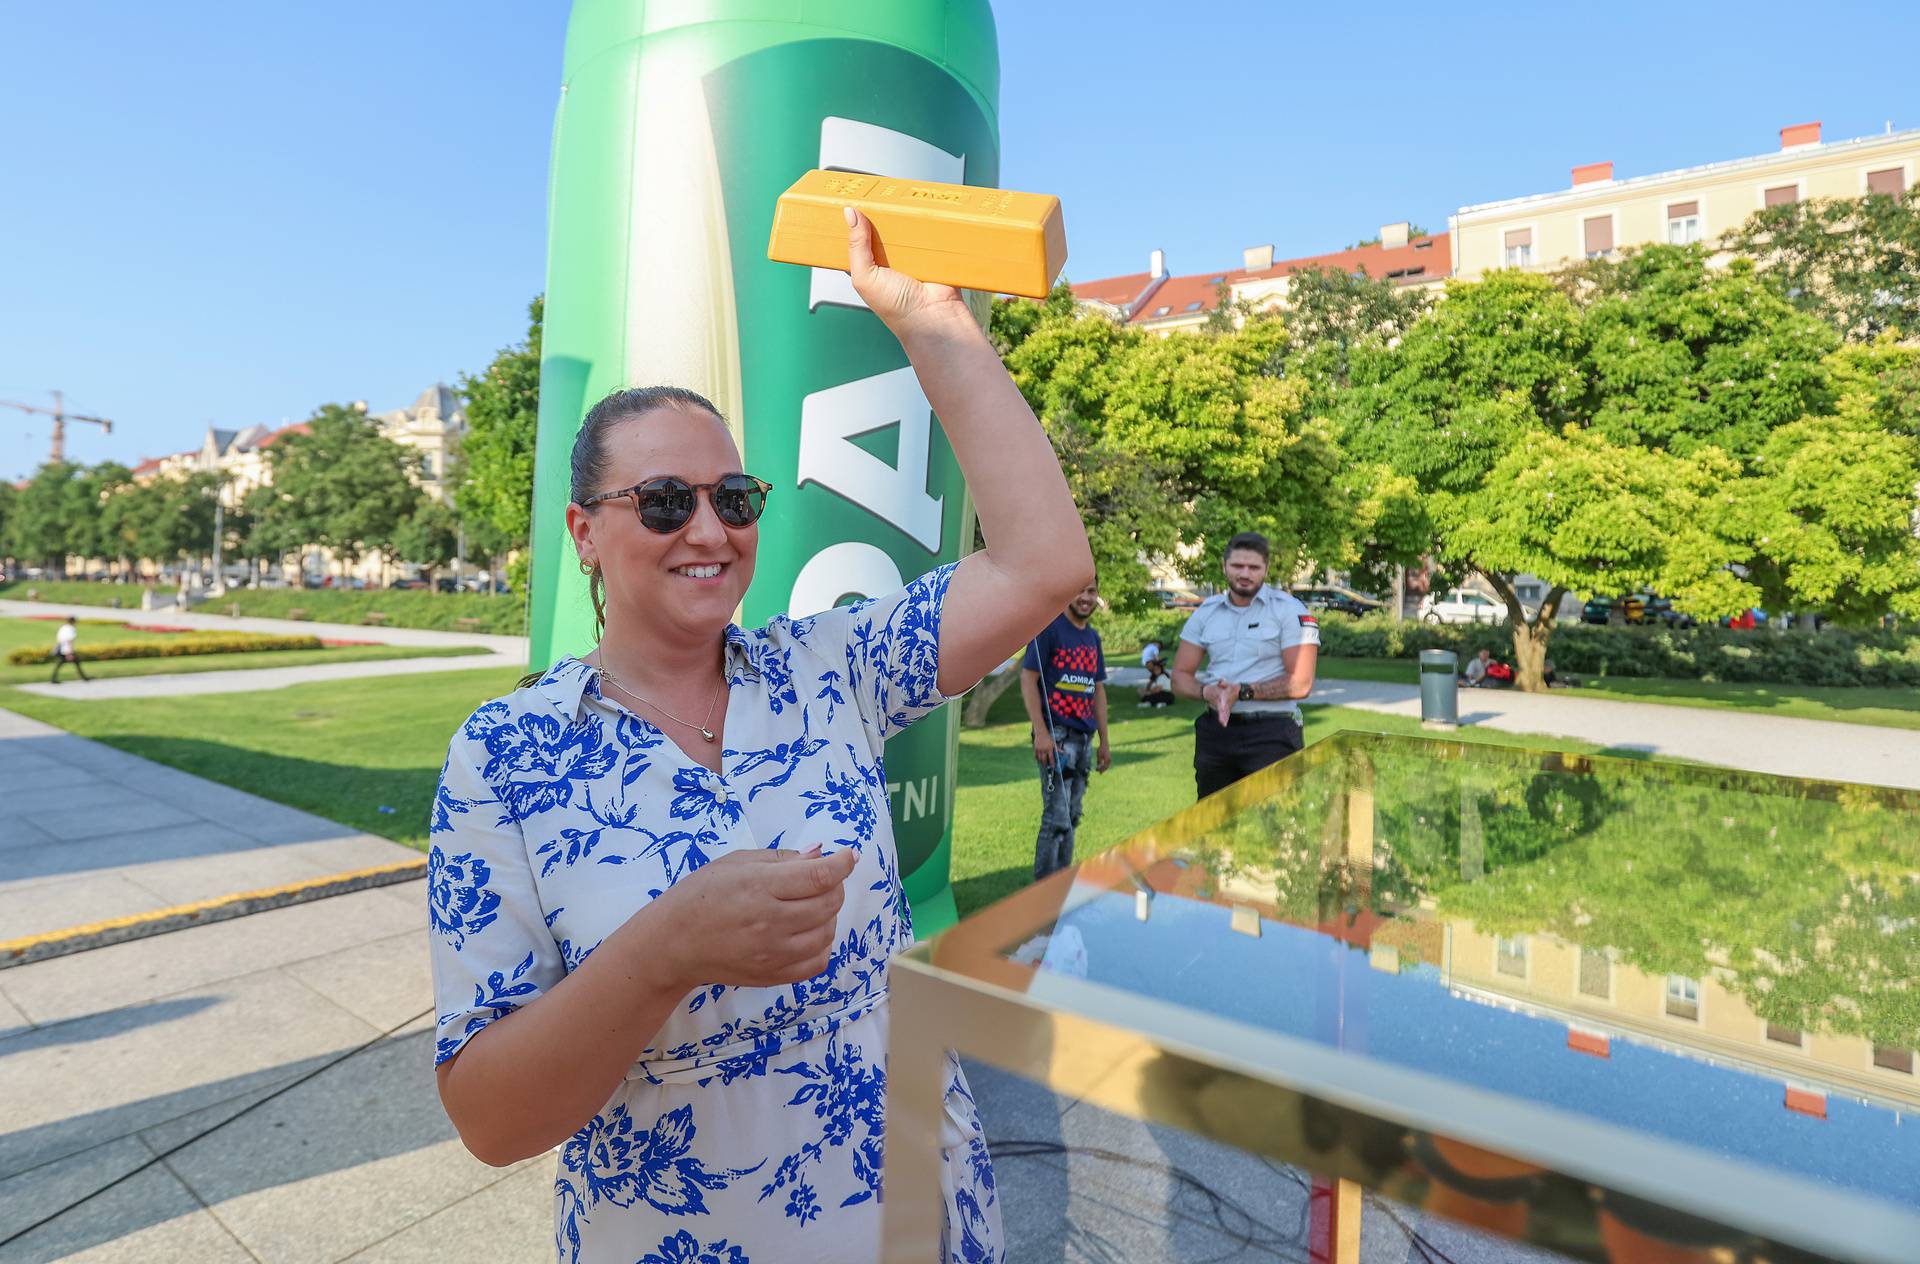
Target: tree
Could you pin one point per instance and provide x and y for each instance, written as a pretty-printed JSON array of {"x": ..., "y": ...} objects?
[
  {"x": 1853, "y": 263},
  {"x": 1533, "y": 449},
  {"x": 1834, "y": 514},
  {"x": 503, "y": 421},
  {"x": 427, "y": 537},
  {"x": 176, "y": 517},
  {"x": 1330, "y": 312},
  {"x": 342, "y": 484},
  {"x": 9, "y": 498},
  {"x": 47, "y": 515}
]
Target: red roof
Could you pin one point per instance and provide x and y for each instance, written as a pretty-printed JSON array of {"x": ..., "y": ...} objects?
[
  {"x": 1421, "y": 259},
  {"x": 297, "y": 428},
  {"x": 1118, "y": 291},
  {"x": 148, "y": 466}
]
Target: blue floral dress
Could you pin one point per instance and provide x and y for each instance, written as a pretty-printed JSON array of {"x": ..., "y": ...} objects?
[{"x": 750, "y": 1132}]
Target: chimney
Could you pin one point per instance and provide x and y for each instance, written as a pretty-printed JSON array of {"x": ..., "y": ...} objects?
[
  {"x": 1256, "y": 258},
  {"x": 1799, "y": 134},
  {"x": 1393, "y": 236},
  {"x": 1157, "y": 264},
  {"x": 1592, "y": 173}
]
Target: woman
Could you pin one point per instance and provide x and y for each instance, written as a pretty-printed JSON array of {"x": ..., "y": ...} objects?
[{"x": 663, "y": 881}]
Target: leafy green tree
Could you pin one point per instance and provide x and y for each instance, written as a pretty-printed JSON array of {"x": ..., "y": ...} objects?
[
  {"x": 9, "y": 497},
  {"x": 503, "y": 418},
  {"x": 1854, "y": 263},
  {"x": 271, "y": 528},
  {"x": 342, "y": 484},
  {"x": 176, "y": 517},
  {"x": 1329, "y": 312},
  {"x": 1834, "y": 509},
  {"x": 427, "y": 537},
  {"x": 47, "y": 516},
  {"x": 95, "y": 487}
]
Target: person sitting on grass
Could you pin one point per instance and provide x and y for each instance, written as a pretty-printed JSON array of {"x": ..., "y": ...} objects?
[
  {"x": 1158, "y": 691},
  {"x": 1475, "y": 676}
]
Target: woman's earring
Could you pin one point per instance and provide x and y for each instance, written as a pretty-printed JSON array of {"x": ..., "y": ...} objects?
[{"x": 586, "y": 567}]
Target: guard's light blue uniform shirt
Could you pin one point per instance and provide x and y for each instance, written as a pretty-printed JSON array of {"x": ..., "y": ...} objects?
[{"x": 1243, "y": 643}]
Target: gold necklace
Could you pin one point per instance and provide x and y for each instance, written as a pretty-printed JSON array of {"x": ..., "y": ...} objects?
[{"x": 705, "y": 726}]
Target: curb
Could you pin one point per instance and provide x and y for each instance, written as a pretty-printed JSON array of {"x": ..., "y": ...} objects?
[{"x": 59, "y": 943}]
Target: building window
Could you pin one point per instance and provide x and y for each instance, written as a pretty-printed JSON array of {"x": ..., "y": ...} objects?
[
  {"x": 1510, "y": 955},
  {"x": 1596, "y": 974},
  {"x": 1683, "y": 997},
  {"x": 1783, "y": 1035},
  {"x": 1598, "y": 234},
  {"x": 1519, "y": 247},
  {"x": 1683, "y": 223},
  {"x": 1781, "y": 195},
  {"x": 1892, "y": 181},
  {"x": 1193, "y": 306},
  {"x": 1162, "y": 310},
  {"x": 1893, "y": 1058}
]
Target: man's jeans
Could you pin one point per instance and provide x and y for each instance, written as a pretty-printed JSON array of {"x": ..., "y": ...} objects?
[{"x": 1061, "y": 792}]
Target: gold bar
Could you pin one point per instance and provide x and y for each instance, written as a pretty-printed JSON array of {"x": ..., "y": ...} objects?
[{"x": 994, "y": 240}]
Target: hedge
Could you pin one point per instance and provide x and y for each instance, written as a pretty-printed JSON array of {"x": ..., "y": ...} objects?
[
  {"x": 73, "y": 592},
  {"x": 172, "y": 647},
  {"x": 1863, "y": 657},
  {"x": 502, "y": 614}
]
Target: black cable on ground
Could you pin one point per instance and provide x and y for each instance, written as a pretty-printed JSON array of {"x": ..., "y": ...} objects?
[
  {"x": 1255, "y": 1231},
  {"x": 288, "y": 1087}
]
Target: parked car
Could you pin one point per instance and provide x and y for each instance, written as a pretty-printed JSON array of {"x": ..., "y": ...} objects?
[
  {"x": 1461, "y": 605},
  {"x": 407, "y": 584},
  {"x": 1660, "y": 610},
  {"x": 1598, "y": 611},
  {"x": 1334, "y": 597},
  {"x": 1171, "y": 600}
]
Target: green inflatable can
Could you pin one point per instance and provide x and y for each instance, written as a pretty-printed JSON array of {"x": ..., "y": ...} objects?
[{"x": 680, "y": 123}]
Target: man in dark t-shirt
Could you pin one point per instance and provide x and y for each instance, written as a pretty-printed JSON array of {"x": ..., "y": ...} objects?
[{"x": 1062, "y": 681}]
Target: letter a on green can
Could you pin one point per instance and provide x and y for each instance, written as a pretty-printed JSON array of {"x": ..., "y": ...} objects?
[{"x": 680, "y": 123}]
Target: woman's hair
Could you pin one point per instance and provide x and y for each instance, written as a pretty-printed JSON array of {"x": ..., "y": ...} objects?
[
  {"x": 590, "y": 445},
  {"x": 589, "y": 465}
]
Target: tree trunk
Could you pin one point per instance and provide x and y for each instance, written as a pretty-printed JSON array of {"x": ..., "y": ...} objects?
[
  {"x": 1530, "y": 637},
  {"x": 973, "y": 712}
]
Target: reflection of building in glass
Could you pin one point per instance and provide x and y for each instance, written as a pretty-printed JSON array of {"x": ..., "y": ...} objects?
[{"x": 1584, "y": 986}]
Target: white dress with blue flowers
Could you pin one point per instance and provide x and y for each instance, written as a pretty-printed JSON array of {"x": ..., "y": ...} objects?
[{"x": 750, "y": 1132}]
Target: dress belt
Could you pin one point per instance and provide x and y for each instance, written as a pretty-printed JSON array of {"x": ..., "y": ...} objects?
[{"x": 751, "y": 1053}]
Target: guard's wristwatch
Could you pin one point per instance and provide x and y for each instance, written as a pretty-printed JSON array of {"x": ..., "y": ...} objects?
[{"x": 1246, "y": 693}]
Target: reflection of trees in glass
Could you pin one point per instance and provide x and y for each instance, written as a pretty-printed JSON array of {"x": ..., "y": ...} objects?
[
  {"x": 1806, "y": 908},
  {"x": 1803, "y": 903}
]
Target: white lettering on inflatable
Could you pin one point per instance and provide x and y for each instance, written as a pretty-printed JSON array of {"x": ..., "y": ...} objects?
[
  {"x": 854, "y": 567},
  {"x": 850, "y": 145},
  {"x": 831, "y": 419}
]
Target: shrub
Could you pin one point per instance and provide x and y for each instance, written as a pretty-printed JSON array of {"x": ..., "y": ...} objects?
[
  {"x": 502, "y": 614},
  {"x": 172, "y": 647},
  {"x": 1864, "y": 657}
]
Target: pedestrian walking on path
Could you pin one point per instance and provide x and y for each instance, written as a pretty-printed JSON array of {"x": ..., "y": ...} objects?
[
  {"x": 1260, "y": 646},
  {"x": 1063, "y": 683},
  {"x": 65, "y": 651},
  {"x": 663, "y": 883}
]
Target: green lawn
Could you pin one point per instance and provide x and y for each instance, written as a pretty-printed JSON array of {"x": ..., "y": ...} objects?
[
  {"x": 346, "y": 748},
  {"x": 15, "y": 633},
  {"x": 1888, "y": 708},
  {"x": 75, "y": 592}
]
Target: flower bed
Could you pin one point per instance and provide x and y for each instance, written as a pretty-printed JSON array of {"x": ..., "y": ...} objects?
[{"x": 185, "y": 645}]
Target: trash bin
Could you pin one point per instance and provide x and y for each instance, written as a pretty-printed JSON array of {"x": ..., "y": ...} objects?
[{"x": 1439, "y": 689}]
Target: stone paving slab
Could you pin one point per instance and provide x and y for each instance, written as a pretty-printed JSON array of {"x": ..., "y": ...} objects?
[
  {"x": 256, "y": 679},
  {"x": 148, "y": 969},
  {"x": 151, "y": 1218},
  {"x": 510, "y": 1219},
  {"x": 90, "y": 828}
]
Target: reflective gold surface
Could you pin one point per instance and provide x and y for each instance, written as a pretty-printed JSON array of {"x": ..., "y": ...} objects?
[{"x": 1621, "y": 1009}]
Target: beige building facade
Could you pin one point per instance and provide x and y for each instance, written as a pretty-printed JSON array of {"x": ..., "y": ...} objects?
[{"x": 1597, "y": 214}]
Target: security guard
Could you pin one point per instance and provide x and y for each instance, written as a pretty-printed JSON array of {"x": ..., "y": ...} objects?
[{"x": 1260, "y": 646}]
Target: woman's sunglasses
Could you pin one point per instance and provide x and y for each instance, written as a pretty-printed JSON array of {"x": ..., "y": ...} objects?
[{"x": 667, "y": 504}]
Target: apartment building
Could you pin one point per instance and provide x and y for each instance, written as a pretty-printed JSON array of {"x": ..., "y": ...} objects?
[{"x": 1598, "y": 213}]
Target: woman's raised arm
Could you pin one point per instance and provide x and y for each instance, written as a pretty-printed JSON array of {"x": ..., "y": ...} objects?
[{"x": 1036, "y": 557}]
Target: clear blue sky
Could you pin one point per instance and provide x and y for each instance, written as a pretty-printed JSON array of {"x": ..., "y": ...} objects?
[{"x": 234, "y": 212}]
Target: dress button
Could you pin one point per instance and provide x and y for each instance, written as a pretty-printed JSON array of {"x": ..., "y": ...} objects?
[{"x": 720, "y": 792}]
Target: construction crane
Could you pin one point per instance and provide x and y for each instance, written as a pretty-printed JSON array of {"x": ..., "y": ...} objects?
[{"x": 60, "y": 417}]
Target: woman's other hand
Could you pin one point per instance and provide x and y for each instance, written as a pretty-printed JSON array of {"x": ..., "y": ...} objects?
[
  {"x": 902, "y": 303},
  {"x": 755, "y": 918}
]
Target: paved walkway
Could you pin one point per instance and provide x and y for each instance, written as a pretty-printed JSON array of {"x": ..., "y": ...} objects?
[
  {"x": 1781, "y": 745},
  {"x": 501, "y": 652},
  {"x": 89, "y": 834}
]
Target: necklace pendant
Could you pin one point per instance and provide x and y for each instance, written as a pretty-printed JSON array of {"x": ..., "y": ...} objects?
[{"x": 706, "y": 733}]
